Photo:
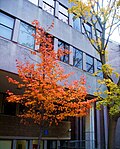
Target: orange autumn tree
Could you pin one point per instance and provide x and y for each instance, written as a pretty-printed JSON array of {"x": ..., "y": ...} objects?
[{"x": 47, "y": 95}]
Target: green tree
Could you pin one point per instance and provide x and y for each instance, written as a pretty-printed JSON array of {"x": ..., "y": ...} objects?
[{"x": 104, "y": 15}]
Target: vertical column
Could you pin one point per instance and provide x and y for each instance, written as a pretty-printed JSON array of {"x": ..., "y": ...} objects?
[
  {"x": 71, "y": 19},
  {"x": 98, "y": 130},
  {"x": 76, "y": 128},
  {"x": 106, "y": 126},
  {"x": 58, "y": 144},
  {"x": 87, "y": 131},
  {"x": 16, "y": 30},
  {"x": 84, "y": 61},
  {"x": 56, "y": 9},
  {"x": 45, "y": 144},
  {"x": 14, "y": 144},
  {"x": 95, "y": 65},
  {"x": 55, "y": 44},
  {"x": 71, "y": 56},
  {"x": 40, "y": 3},
  {"x": 30, "y": 144}
]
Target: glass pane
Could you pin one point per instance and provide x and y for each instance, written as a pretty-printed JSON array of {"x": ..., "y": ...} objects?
[
  {"x": 48, "y": 8},
  {"x": 34, "y": 1},
  {"x": 77, "y": 58},
  {"x": 88, "y": 27},
  {"x": 63, "y": 10},
  {"x": 35, "y": 142},
  {"x": 6, "y": 20},
  {"x": 5, "y": 32},
  {"x": 22, "y": 144},
  {"x": 76, "y": 24},
  {"x": 99, "y": 65},
  {"x": 63, "y": 18},
  {"x": 25, "y": 35},
  {"x": 89, "y": 59},
  {"x": 50, "y": 2},
  {"x": 5, "y": 144},
  {"x": 89, "y": 68}
]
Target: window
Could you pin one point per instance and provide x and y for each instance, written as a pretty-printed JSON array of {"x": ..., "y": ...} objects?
[
  {"x": 99, "y": 66},
  {"x": 62, "y": 45},
  {"x": 89, "y": 64},
  {"x": 88, "y": 29},
  {"x": 6, "y": 26},
  {"x": 98, "y": 33},
  {"x": 25, "y": 35},
  {"x": 76, "y": 23},
  {"x": 34, "y": 2},
  {"x": 63, "y": 14},
  {"x": 48, "y": 5},
  {"x": 77, "y": 58},
  {"x": 6, "y": 144}
]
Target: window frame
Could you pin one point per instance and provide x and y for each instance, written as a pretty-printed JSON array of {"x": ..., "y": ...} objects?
[
  {"x": 63, "y": 48},
  {"x": 25, "y": 32},
  {"x": 7, "y": 27},
  {"x": 89, "y": 64},
  {"x": 79, "y": 60},
  {"x": 63, "y": 14},
  {"x": 50, "y": 6}
]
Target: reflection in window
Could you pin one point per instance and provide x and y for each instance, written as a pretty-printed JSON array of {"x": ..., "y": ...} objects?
[
  {"x": 6, "y": 26},
  {"x": 88, "y": 29},
  {"x": 21, "y": 144},
  {"x": 35, "y": 143},
  {"x": 48, "y": 5},
  {"x": 62, "y": 45},
  {"x": 63, "y": 14},
  {"x": 77, "y": 23},
  {"x": 5, "y": 144},
  {"x": 89, "y": 64},
  {"x": 25, "y": 35},
  {"x": 34, "y": 2},
  {"x": 99, "y": 66},
  {"x": 77, "y": 58}
]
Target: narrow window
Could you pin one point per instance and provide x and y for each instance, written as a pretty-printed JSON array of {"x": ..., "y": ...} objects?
[
  {"x": 6, "y": 26},
  {"x": 99, "y": 66},
  {"x": 63, "y": 13},
  {"x": 89, "y": 64},
  {"x": 62, "y": 45},
  {"x": 77, "y": 58},
  {"x": 76, "y": 23},
  {"x": 88, "y": 28},
  {"x": 48, "y": 5},
  {"x": 25, "y": 35}
]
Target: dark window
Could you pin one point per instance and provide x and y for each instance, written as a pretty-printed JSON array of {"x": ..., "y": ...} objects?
[
  {"x": 99, "y": 66},
  {"x": 48, "y": 5},
  {"x": 6, "y": 26},
  {"x": 88, "y": 28},
  {"x": 77, "y": 58},
  {"x": 76, "y": 23},
  {"x": 25, "y": 35},
  {"x": 34, "y": 2},
  {"x": 63, "y": 13},
  {"x": 89, "y": 64},
  {"x": 62, "y": 45}
]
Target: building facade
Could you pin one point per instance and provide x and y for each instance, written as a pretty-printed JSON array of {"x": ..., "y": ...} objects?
[{"x": 16, "y": 39}]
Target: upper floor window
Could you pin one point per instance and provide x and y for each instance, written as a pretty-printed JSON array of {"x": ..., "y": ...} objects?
[
  {"x": 6, "y": 25},
  {"x": 99, "y": 66},
  {"x": 87, "y": 28},
  {"x": 77, "y": 23},
  {"x": 89, "y": 64},
  {"x": 34, "y": 2},
  {"x": 48, "y": 5},
  {"x": 77, "y": 58},
  {"x": 25, "y": 35},
  {"x": 62, "y": 45},
  {"x": 99, "y": 33},
  {"x": 63, "y": 13}
]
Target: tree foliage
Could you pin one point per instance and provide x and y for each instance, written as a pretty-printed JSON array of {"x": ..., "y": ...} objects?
[{"x": 47, "y": 94}]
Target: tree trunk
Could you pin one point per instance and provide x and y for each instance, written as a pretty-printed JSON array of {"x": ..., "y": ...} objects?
[
  {"x": 111, "y": 132},
  {"x": 40, "y": 137}
]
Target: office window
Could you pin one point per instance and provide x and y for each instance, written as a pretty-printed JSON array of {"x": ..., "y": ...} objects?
[
  {"x": 89, "y": 64},
  {"x": 99, "y": 33},
  {"x": 48, "y": 5},
  {"x": 34, "y": 2},
  {"x": 62, "y": 45},
  {"x": 76, "y": 23},
  {"x": 63, "y": 13},
  {"x": 25, "y": 35},
  {"x": 88, "y": 29},
  {"x": 5, "y": 144},
  {"x": 6, "y": 26},
  {"x": 99, "y": 66},
  {"x": 77, "y": 58}
]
